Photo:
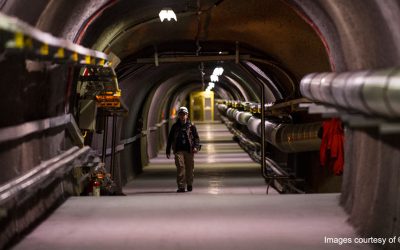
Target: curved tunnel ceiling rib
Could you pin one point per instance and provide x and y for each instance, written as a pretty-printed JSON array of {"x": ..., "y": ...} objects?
[
  {"x": 179, "y": 84},
  {"x": 286, "y": 82},
  {"x": 190, "y": 72},
  {"x": 238, "y": 86},
  {"x": 168, "y": 91},
  {"x": 272, "y": 87}
]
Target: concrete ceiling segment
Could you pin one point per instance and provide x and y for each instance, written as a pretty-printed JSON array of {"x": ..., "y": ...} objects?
[
  {"x": 244, "y": 84},
  {"x": 157, "y": 77},
  {"x": 177, "y": 86},
  {"x": 180, "y": 85},
  {"x": 177, "y": 93},
  {"x": 127, "y": 14},
  {"x": 272, "y": 27},
  {"x": 359, "y": 34},
  {"x": 19, "y": 9},
  {"x": 66, "y": 18},
  {"x": 137, "y": 87}
]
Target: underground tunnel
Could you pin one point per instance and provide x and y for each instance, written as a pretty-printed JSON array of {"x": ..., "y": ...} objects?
[{"x": 305, "y": 94}]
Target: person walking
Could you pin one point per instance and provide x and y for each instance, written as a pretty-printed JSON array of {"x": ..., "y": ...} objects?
[{"x": 185, "y": 142}]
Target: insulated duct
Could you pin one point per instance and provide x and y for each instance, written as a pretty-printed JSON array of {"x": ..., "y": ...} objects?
[
  {"x": 243, "y": 117},
  {"x": 286, "y": 137},
  {"x": 292, "y": 137},
  {"x": 370, "y": 92},
  {"x": 222, "y": 109}
]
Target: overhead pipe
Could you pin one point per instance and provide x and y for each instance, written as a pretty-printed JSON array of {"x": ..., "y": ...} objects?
[{"x": 374, "y": 92}]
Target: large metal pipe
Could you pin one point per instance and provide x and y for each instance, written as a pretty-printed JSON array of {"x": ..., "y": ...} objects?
[
  {"x": 253, "y": 125},
  {"x": 286, "y": 137},
  {"x": 298, "y": 137},
  {"x": 292, "y": 137},
  {"x": 231, "y": 113},
  {"x": 222, "y": 109},
  {"x": 370, "y": 92},
  {"x": 243, "y": 117}
]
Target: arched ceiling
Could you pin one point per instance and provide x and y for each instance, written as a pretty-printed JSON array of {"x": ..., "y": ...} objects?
[{"x": 271, "y": 29}]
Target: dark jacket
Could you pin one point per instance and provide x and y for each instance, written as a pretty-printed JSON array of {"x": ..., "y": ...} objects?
[{"x": 192, "y": 135}]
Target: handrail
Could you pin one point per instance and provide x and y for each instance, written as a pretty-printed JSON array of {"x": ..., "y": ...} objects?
[
  {"x": 57, "y": 165},
  {"x": 134, "y": 138},
  {"x": 16, "y": 132}
]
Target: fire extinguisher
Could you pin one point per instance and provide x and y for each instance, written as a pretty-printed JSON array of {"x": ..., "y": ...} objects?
[{"x": 96, "y": 188}]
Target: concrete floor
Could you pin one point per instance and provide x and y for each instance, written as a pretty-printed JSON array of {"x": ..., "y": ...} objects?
[{"x": 228, "y": 209}]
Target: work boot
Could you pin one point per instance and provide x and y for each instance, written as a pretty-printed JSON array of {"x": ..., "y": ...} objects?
[
  {"x": 189, "y": 188},
  {"x": 180, "y": 190}
]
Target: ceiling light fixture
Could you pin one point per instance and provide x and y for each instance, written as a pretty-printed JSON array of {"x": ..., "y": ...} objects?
[
  {"x": 218, "y": 71},
  {"x": 214, "y": 78},
  {"x": 168, "y": 14}
]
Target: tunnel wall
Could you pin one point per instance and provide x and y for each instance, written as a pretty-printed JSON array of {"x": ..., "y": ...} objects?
[
  {"x": 26, "y": 85},
  {"x": 364, "y": 35},
  {"x": 371, "y": 181}
]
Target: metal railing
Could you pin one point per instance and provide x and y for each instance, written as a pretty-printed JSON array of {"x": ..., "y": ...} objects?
[{"x": 47, "y": 170}]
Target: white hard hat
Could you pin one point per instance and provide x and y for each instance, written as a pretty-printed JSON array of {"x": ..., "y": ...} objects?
[{"x": 183, "y": 110}]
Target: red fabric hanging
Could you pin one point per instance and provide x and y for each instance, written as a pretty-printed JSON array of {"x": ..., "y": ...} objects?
[{"x": 331, "y": 151}]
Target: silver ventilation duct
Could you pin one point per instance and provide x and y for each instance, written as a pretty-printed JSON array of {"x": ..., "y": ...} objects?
[
  {"x": 229, "y": 113},
  {"x": 243, "y": 117},
  {"x": 285, "y": 137},
  {"x": 222, "y": 109},
  {"x": 298, "y": 137},
  {"x": 292, "y": 137},
  {"x": 370, "y": 92},
  {"x": 253, "y": 125}
]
